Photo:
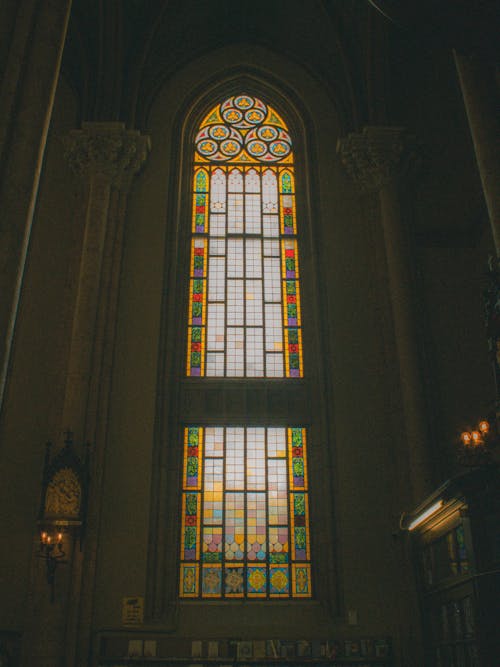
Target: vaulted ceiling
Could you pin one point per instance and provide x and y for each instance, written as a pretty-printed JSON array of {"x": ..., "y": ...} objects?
[{"x": 381, "y": 61}]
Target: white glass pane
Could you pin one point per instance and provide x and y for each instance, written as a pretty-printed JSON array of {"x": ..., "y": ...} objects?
[
  {"x": 215, "y": 364},
  {"x": 214, "y": 441},
  {"x": 272, "y": 279},
  {"x": 235, "y": 302},
  {"x": 217, "y": 247},
  {"x": 218, "y": 191},
  {"x": 252, "y": 181},
  {"x": 269, "y": 192},
  {"x": 271, "y": 248},
  {"x": 235, "y": 181},
  {"x": 253, "y": 300},
  {"x": 235, "y": 258},
  {"x": 216, "y": 278},
  {"x": 235, "y": 458},
  {"x": 276, "y": 442},
  {"x": 212, "y": 505},
  {"x": 217, "y": 224},
  {"x": 256, "y": 459},
  {"x": 270, "y": 225},
  {"x": 253, "y": 214},
  {"x": 274, "y": 328},
  {"x": 235, "y": 352},
  {"x": 235, "y": 214},
  {"x": 274, "y": 365},
  {"x": 253, "y": 258},
  {"x": 215, "y": 326},
  {"x": 277, "y": 492},
  {"x": 255, "y": 352}
]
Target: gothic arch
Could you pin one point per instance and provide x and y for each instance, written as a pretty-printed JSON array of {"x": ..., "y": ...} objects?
[{"x": 181, "y": 401}]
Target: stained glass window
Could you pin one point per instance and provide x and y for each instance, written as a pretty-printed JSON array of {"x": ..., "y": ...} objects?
[
  {"x": 245, "y": 513},
  {"x": 244, "y": 301}
]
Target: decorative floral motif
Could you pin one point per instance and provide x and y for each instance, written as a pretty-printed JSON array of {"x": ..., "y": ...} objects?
[
  {"x": 234, "y": 580},
  {"x": 257, "y": 579}
]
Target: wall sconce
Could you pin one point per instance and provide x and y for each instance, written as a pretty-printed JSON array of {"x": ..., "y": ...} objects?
[
  {"x": 475, "y": 443},
  {"x": 63, "y": 505},
  {"x": 51, "y": 550}
]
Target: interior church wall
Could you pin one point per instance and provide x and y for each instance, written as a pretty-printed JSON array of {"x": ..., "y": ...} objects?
[
  {"x": 32, "y": 408},
  {"x": 354, "y": 320},
  {"x": 452, "y": 240},
  {"x": 345, "y": 281}
]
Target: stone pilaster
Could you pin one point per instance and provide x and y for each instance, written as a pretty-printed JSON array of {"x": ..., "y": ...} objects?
[
  {"x": 378, "y": 156},
  {"x": 106, "y": 157},
  {"x": 379, "y": 159}
]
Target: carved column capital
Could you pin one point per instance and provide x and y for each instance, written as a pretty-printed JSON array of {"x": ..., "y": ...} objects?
[
  {"x": 377, "y": 156},
  {"x": 107, "y": 149}
]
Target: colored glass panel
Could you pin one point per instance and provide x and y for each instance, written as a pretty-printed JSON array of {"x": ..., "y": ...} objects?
[
  {"x": 189, "y": 581},
  {"x": 244, "y": 202},
  {"x": 211, "y": 581},
  {"x": 301, "y": 581},
  {"x": 245, "y": 516}
]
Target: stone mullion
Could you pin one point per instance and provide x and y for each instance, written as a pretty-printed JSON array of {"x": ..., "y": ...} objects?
[{"x": 379, "y": 159}]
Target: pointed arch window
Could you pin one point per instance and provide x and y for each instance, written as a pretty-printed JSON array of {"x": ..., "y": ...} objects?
[
  {"x": 244, "y": 309},
  {"x": 245, "y": 503}
]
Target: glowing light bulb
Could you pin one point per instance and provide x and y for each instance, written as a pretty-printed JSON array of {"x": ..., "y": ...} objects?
[
  {"x": 476, "y": 437},
  {"x": 466, "y": 437},
  {"x": 484, "y": 426}
]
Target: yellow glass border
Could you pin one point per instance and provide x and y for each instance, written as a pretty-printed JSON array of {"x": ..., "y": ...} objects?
[
  {"x": 287, "y": 353},
  {"x": 202, "y": 351},
  {"x": 197, "y": 237},
  {"x": 284, "y": 241},
  {"x": 195, "y": 176},
  {"x": 203, "y": 301},
  {"x": 198, "y": 525},
  {"x": 196, "y": 568},
  {"x": 292, "y": 487},
  {"x": 199, "y": 487},
  {"x": 307, "y": 567},
  {"x": 292, "y": 529},
  {"x": 205, "y": 220},
  {"x": 282, "y": 217},
  {"x": 291, "y": 173}
]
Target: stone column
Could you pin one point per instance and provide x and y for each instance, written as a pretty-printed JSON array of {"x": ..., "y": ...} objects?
[
  {"x": 27, "y": 97},
  {"x": 378, "y": 159},
  {"x": 481, "y": 99},
  {"x": 106, "y": 157}
]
